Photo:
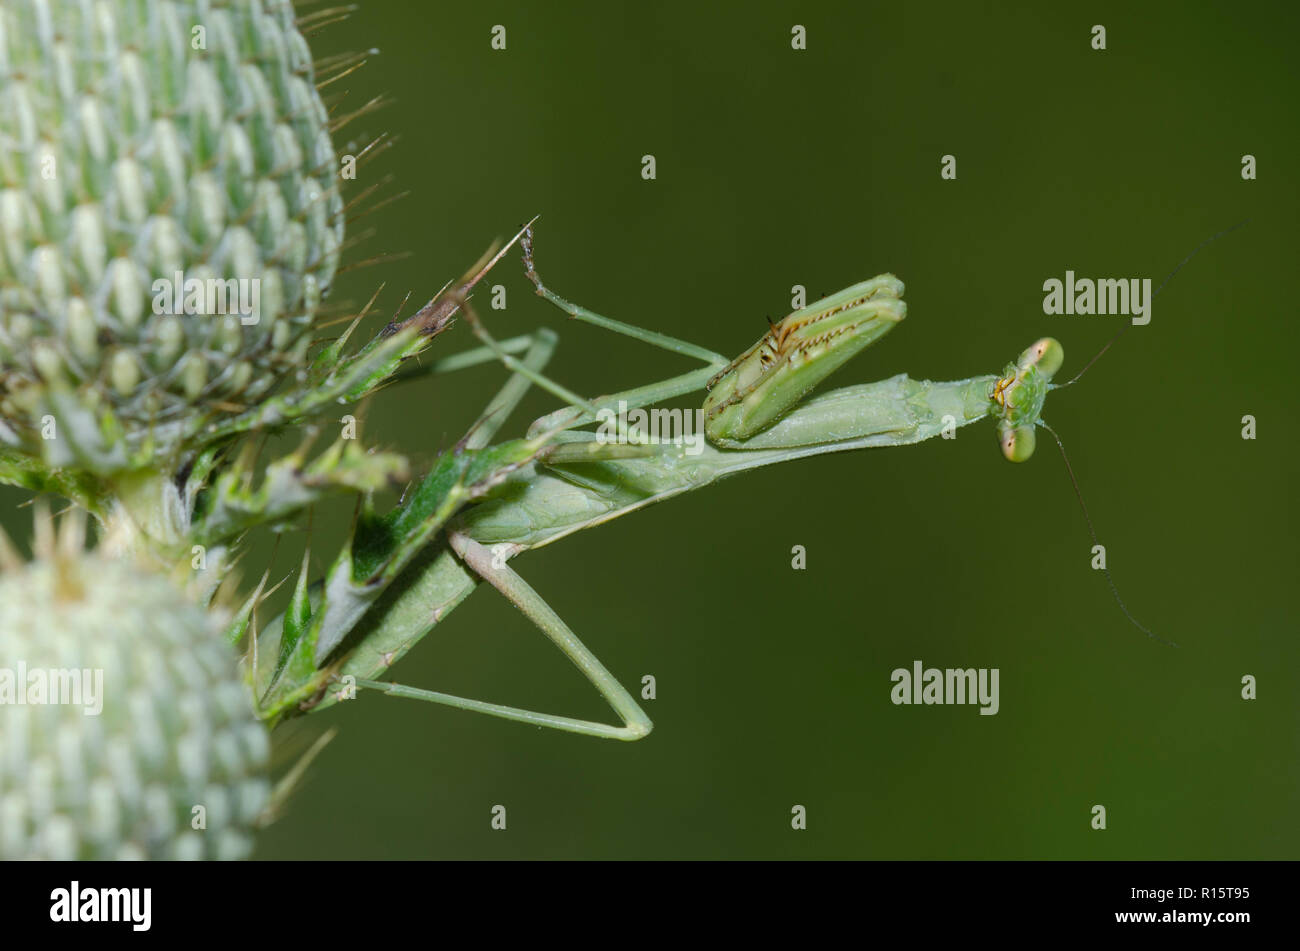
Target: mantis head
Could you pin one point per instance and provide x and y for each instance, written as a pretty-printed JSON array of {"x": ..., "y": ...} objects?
[{"x": 1019, "y": 393}]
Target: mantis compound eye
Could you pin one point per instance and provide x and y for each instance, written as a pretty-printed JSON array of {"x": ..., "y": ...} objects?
[
  {"x": 1047, "y": 354},
  {"x": 1017, "y": 443}
]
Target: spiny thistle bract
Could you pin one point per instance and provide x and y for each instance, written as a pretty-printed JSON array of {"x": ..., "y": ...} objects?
[
  {"x": 140, "y": 142},
  {"x": 174, "y": 731}
]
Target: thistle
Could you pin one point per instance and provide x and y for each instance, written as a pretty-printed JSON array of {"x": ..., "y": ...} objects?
[
  {"x": 127, "y": 728},
  {"x": 169, "y": 224}
]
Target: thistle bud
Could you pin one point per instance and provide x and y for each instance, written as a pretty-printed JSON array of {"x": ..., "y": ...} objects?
[{"x": 169, "y": 217}]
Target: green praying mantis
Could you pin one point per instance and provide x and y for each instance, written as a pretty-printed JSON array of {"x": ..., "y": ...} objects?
[{"x": 482, "y": 504}]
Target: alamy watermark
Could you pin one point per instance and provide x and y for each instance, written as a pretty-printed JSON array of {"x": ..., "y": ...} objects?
[
  {"x": 1085, "y": 296},
  {"x": 78, "y": 904},
  {"x": 952, "y": 685},
  {"x": 36, "y": 686},
  {"x": 239, "y": 297},
  {"x": 655, "y": 427}
]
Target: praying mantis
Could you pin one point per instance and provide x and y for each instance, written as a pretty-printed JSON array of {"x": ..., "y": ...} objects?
[{"x": 481, "y": 505}]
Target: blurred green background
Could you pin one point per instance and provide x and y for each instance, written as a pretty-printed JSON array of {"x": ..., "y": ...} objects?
[{"x": 821, "y": 167}]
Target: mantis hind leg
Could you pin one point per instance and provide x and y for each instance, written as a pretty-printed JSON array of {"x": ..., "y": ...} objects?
[{"x": 522, "y": 595}]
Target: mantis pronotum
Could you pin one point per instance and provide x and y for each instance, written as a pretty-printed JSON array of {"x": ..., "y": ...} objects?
[{"x": 757, "y": 412}]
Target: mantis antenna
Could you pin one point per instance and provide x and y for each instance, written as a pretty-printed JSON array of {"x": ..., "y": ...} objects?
[
  {"x": 1168, "y": 278},
  {"x": 1078, "y": 493}
]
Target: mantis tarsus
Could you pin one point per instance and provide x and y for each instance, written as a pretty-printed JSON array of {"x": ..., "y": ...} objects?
[{"x": 562, "y": 479}]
